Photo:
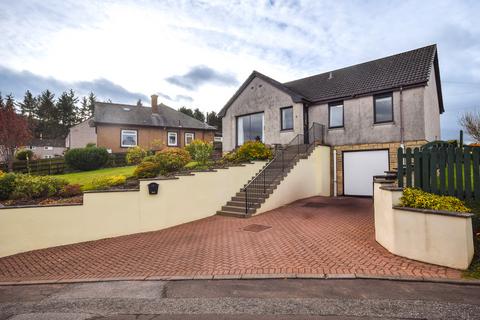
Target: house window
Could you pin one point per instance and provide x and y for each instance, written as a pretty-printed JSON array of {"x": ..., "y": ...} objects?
[
  {"x": 47, "y": 148},
  {"x": 172, "y": 139},
  {"x": 335, "y": 115},
  {"x": 383, "y": 108},
  {"x": 189, "y": 137},
  {"x": 250, "y": 127},
  {"x": 286, "y": 118},
  {"x": 31, "y": 147},
  {"x": 48, "y": 156},
  {"x": 129, "y": 138}
]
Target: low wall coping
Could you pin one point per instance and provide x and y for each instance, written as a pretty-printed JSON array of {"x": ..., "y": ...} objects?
[
  {"x": 42, "y": 206},
  {"x": 110, "y": 190},
  {"x": 391, "y": 188},
  {"x": 437, "y": 212}
]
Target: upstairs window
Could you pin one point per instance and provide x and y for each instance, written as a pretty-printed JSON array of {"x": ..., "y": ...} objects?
[
  {"x": 286, "y": 118},
  {"x": 335, "y": 115},
  {"x": 128, "y": 138},
  {"x": 383, "y": 108},
  {"x": 172, "y": 139}
]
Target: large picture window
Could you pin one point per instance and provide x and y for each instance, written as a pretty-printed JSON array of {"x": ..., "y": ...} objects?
[
  {"x": 128, "y": 138},
  {"x": 250, "y": 127},
  {"x": 172, "y": 139},
  {"x": 335, "y": 115},
  {"x": 383, "y": 108},
  {"x": 286, "y": 118}
]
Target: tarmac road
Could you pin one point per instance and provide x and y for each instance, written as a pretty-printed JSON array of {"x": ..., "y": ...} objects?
[{"x": 241, "y": 299}]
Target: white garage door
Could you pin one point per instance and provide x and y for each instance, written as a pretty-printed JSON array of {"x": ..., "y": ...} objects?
[{"x": 359, "y": 168}]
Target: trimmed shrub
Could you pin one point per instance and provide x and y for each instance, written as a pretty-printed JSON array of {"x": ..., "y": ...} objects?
[
  {"x": 23, "y": 154},
  {"x": 70, "y": 190},
  {"x": 91, "y": 145},
  {"x": 416, "y": 198},
  {"x": 200, "y": 151},
  {"x": 253, "y": 150},
  {"x": 135, "y": 155},
  {"x": 147, "y": 169},
  {"x": 30, "y": 187},
  {"x": 7, "y": 185},
  {"x": 157, "y": 145},
  {"x": 172, "y": 159},
  {"x": 85, "y": 159},
  {"x": 103, "y": 183}
]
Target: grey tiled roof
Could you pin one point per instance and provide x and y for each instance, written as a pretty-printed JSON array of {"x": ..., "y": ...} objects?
[
  {"x": 114, "y": 113},
  {"x": 401, "y": 70},
  {"x": 404, "y": 69}
]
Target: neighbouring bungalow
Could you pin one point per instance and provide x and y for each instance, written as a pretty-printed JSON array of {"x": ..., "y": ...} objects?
[
  {"x": 46, "y": 148},
  {"x": 118, "y": 127}
]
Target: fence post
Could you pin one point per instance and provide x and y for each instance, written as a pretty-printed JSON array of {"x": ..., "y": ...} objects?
[
  {"x": 400, "y": 171},
  {"x": 417, "y": 163},
  {"x": 425, "y": 170},
  {"x": 476, "y": 173},
  {"x": 442, "y": 160},
  {"x": 459, "y": 173},
  {"x": 467, "y": 172},
  {"x": 408, "y": 166},
  {"x": 451, "y": 170}
]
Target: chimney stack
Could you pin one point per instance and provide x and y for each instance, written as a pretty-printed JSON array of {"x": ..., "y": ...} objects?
[{"x": 154, "y": 103}]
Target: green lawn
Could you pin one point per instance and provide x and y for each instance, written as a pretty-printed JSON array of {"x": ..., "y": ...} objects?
[{"x": 85, "y": 177}]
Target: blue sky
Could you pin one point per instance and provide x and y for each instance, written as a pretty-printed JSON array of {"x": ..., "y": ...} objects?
[{"x": 196, "y": 53}]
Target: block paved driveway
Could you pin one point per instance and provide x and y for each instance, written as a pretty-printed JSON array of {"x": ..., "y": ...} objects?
[{"x": 311, "y": 236}]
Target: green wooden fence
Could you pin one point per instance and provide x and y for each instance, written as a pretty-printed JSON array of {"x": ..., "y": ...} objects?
[{"x": 444, "y": 170}]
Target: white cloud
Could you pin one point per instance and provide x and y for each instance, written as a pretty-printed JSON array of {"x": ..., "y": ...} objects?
[{"x": 138, "y": 45}]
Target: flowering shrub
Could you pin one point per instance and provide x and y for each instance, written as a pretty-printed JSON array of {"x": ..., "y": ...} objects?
[
  {"x": 416, "y": 198},
  {"x": 147, "y": 169},
  {"x": 7, "y": 184},
  {"x": 30, "y": 187},
  {"x": 70, "y": 190},
  {"x": 135, "y": 155},
  {"x": 200, "y": 151},
  {"x": 102, "y": 183},
  {"x": 172, "y": 159},
  {"x": 253, "y": 150}
]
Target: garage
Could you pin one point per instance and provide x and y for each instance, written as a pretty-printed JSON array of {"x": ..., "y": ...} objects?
[{"x": 359, "y": 167}]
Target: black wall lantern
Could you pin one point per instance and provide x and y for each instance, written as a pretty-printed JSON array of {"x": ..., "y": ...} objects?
[{"x": 152, "y": 188}]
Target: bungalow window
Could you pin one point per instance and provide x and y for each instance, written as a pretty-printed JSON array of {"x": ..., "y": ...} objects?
[
  {"x": 189, "y": 137},
  {"x": 172, "y": 139},
  {"x": 47, "y": 148},
  {"x": 286, "y": 118},
  {"x": 250, "y": 127},
  {"x": 129, "y": 138},
  {"x": 383, "y": 108},
  {"x": 335, "y": 115}
]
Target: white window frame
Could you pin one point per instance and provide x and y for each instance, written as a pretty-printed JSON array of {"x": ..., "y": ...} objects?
[
  {"x": 48, "y": 156},
  {"x": 189, "y": 134},
  {"x": 130, "y": 132},
  {"x": 175, "y": 134},
  {"x": 47, "y": 148}
]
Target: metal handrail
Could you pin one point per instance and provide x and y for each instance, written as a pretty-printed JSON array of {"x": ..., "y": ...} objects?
[{"x": 282, "y": 156}]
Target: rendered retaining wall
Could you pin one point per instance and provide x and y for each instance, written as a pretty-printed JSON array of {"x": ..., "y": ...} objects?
[
  {"x": 116, "y": 213},
  {"x": 310, "y": 177},
  {"x": 437, "y": 237}
]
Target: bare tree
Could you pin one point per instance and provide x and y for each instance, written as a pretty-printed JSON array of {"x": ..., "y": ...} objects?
[{"x": 470, "y": 121}]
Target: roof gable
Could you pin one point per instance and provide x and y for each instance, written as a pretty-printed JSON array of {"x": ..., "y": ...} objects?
[{"x": 296, "y": 97}]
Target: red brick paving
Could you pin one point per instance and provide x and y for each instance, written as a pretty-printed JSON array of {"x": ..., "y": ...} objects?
[{"x": 332, "y": 236}]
